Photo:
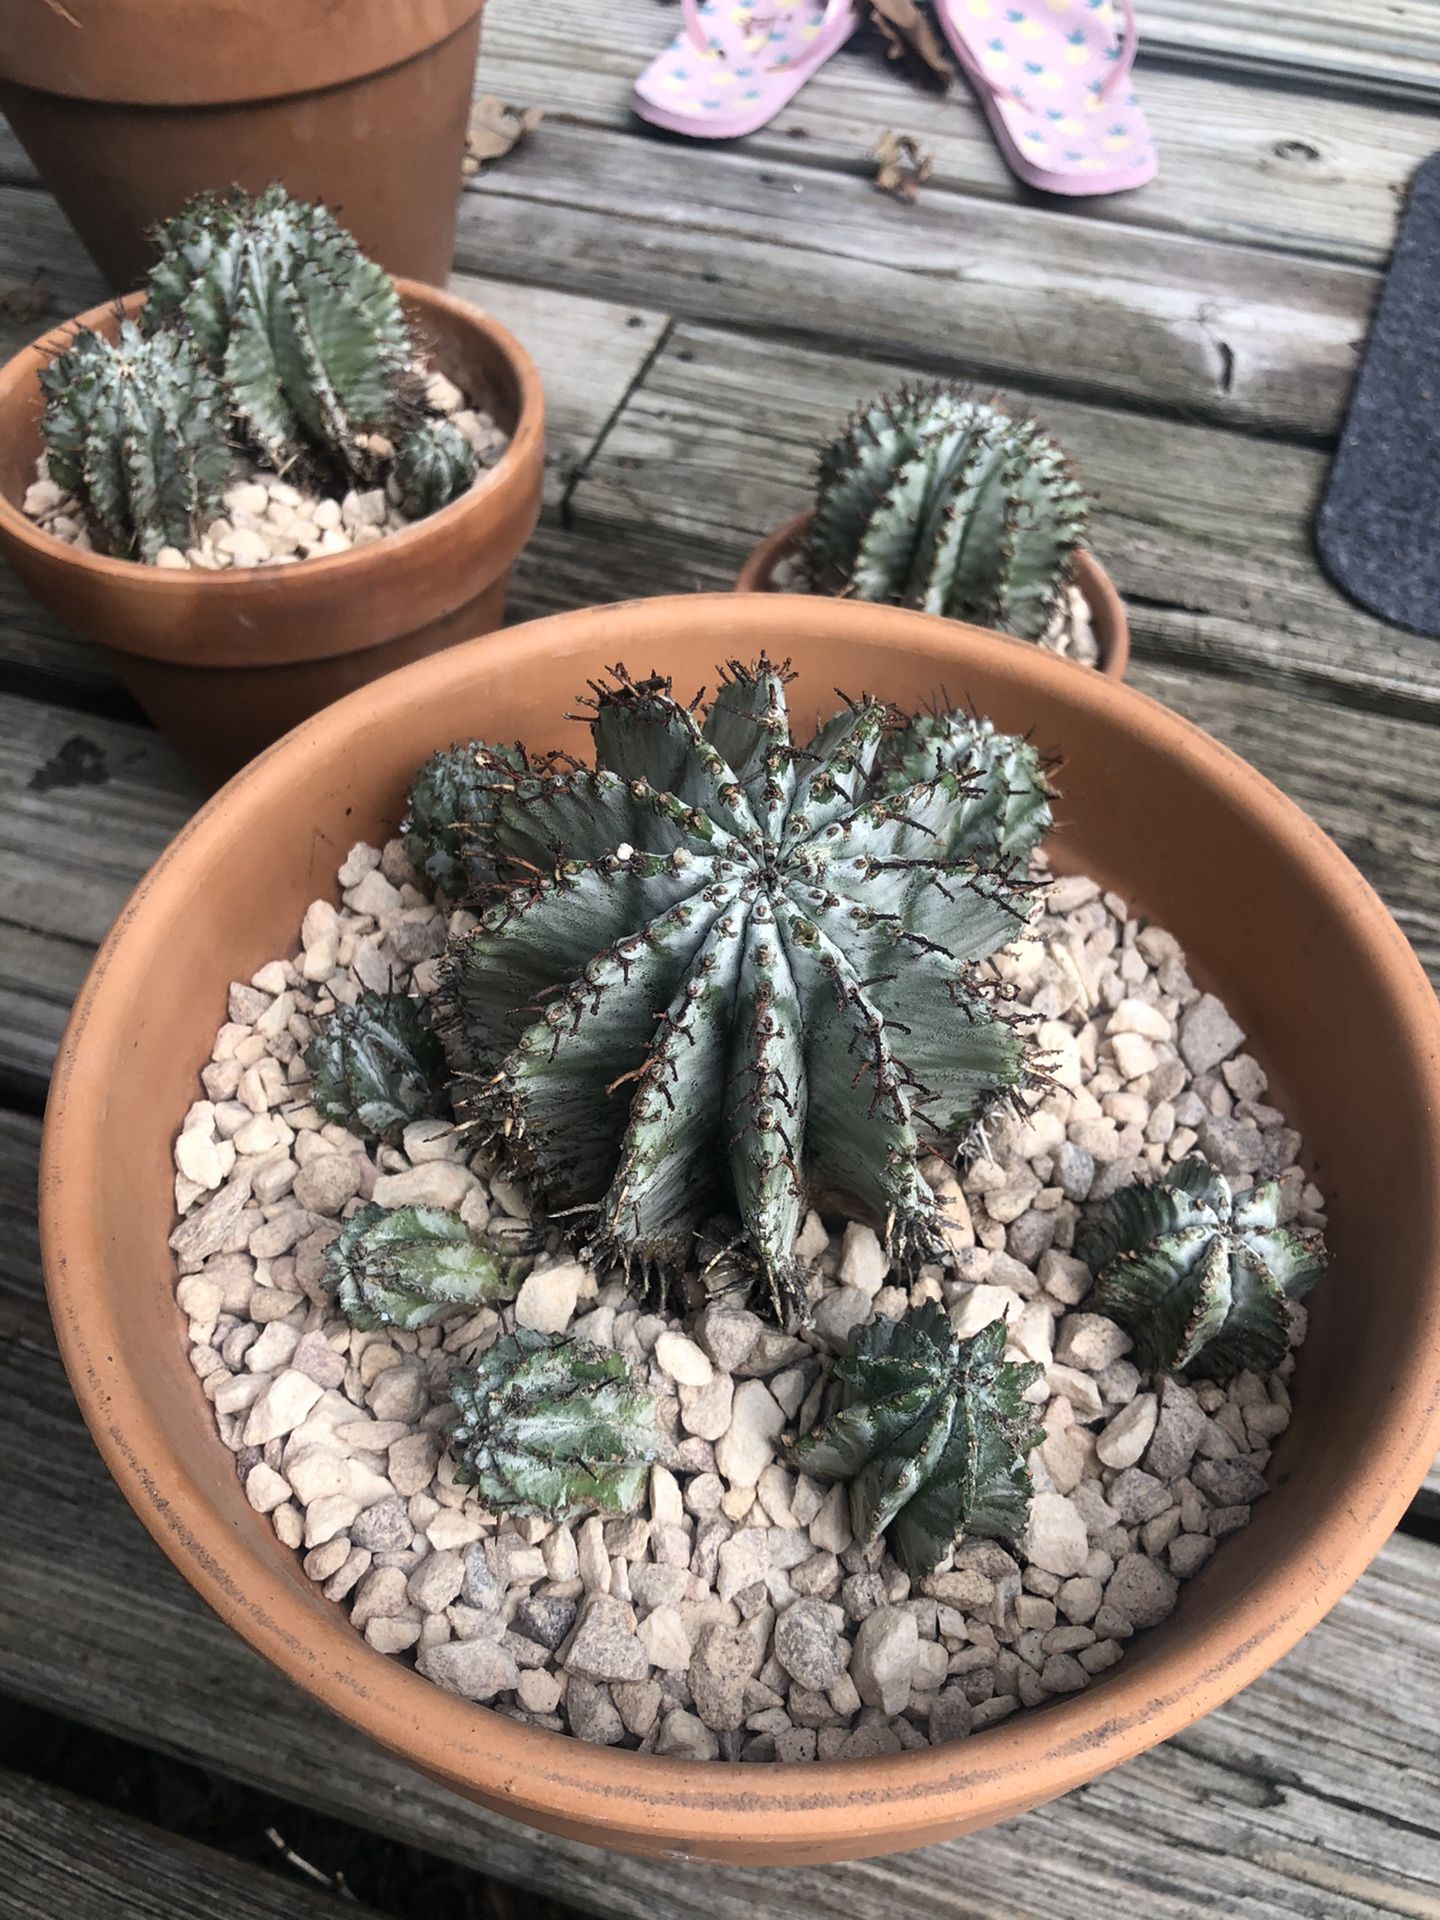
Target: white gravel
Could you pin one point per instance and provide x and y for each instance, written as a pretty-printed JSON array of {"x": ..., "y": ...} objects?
[
  {"x": 267, "y": 521},
  {"x": 732, "y": 1616}
]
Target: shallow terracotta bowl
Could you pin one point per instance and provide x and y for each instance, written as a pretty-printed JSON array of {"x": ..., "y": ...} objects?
[{"x": 1272, "y": 916}]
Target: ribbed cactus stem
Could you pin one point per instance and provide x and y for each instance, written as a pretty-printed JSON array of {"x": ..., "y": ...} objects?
[
  {"x": 728, "y": 975},
  {"x": 936, "y": 500},
  {"x": 134, "y": 428}
]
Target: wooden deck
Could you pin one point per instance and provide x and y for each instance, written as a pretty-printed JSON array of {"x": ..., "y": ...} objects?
[{"x": 701, "y": 316}]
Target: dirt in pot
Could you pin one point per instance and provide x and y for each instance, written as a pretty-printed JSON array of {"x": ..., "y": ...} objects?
[{"x": 732, "y": 1614}]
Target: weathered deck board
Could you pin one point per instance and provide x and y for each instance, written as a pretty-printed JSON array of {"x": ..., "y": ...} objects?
[
  {"x": 1003, "y": 291},
  {"x": 1243, "y": 1806},
  {"x": 60, "y": 1854},
  {"x": 1386, "y": 47},
  {"x": 1259, "y": 165}
]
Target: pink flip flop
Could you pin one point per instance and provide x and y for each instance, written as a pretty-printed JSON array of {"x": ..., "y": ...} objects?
[
  {"x": 733, "y": 66},
  {"x": 1054, "y": 79}
]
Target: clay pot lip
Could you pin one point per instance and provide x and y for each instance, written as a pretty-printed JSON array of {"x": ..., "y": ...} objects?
[
  {"x": 253, "y": 590},
  {"x": 828, "y": 1810},
  {"x": 112, "y": 63},
  {"x": 1107, "y": 609}
]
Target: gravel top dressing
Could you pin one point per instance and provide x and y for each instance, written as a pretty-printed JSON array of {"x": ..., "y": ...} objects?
[{"x": 731, "y": 1616}]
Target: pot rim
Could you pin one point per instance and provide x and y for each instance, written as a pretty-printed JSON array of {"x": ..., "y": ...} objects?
[
  {"x": 109, "y": 57},
  {"x": 1107, "y": 609},
  {"x": 251, "y": 592},
  {"x": 827, "y": 1810}
]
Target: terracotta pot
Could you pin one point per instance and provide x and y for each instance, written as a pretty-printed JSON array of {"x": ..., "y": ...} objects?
[
  {"x": 1271, "y": 914},
  {"x": 1107, "y": 609},
  {"x": 226, "y": 662},
  {"x": 174, "y": 96}
]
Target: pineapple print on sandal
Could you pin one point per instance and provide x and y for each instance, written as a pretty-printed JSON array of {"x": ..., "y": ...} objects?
[
  {"x": 1054, "y": 79},
  {"x": 732, "y": 66}
]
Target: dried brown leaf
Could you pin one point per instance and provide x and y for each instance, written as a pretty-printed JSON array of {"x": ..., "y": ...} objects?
[
  {"x": 908, "y": 33},
  {"x": 902, "y": 168},
  {"x": 495, "y": 129},
  {"x": 28, "y": 303}
]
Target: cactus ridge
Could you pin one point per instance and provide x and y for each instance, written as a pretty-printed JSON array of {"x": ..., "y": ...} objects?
[
  {"x": 931, "y": 1431},
  {"x": 549, "y": 1425},
  {"x": 1199, "y": 1275},
  {"x": 1005, "y": 811},
  {"x": 934, "y": 499},
  {"x": 728, "y": 974},
  {"x": 135, "y": 429}
]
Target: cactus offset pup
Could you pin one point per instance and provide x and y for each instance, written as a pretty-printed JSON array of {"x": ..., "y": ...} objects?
[
  {"x": 931, "y": 1433},
  {"x": 732, "y": 974},
  {"x": 1198, "y": 1275},
  {"x": 937, "y": 500}
]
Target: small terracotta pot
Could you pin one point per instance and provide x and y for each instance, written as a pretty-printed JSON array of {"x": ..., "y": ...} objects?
[
  {"x": 1107, "y": 609},
  {"x": 1271, "y": 914},
  {"x": 129, "y": 107},
  {"x": 226, "y": 662}
]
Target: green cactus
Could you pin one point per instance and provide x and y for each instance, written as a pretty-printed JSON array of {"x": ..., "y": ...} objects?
[
  {"x": 450, "y": 806},
  {"x": 407, "y": 1266},
  {"x": 931, "y": 1433},
  {"x": 1197, "y": 1274},
  {"x": 135, "y": 429},
  {"x": 934, "y": 499},
  {"x": 377, "y": 1065},
  {"x": 1005, "y": 812},
  {"x": 434, "y": 464},
  {"x": 728, "y": 977},
  {"x": 546, "y": 1425},
  {"x": 308, "y": 335}
]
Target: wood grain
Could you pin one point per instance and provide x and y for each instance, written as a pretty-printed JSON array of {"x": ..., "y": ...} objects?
[
  {"x": 1313, "y": 1794},
  {"x": 60, "y": 1854},
  {"x": 1262, "y": 165},
  {"x": 1208, "y": 534},
  {"x": 1001, "y": 292}
]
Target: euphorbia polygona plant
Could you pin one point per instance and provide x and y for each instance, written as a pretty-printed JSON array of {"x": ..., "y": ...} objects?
[
  {"x": 1197, "y": 1274},
  {"x": 732, "y": 973},
  {"x": 546, "y": 1425},
  {"x": 309, "y": 338},
  {"x": 406, "y": 1266},
  {"x": 135, "y": 430},
  {"x": 377, "y": 1065},
  {"x": 937, "y": 500},
  {"x": 450, "y": 804},
  {"x": 263, "y": 324},
  {"x": 931, "y": 1432}
]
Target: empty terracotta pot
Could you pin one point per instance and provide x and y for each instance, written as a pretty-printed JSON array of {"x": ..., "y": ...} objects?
[
  {"x": 226, "y": 662},
  {"x": 1107, "y": 609},
  {"x": 129, "y": 107},
  {"x": 1272, "y": 916}
]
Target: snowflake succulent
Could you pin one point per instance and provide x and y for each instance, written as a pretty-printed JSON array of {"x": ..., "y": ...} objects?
[
  {"x": 378, "y": 1065},
  {"x": 1006, "y": 811},
  {"x": 931, "y": 1433},
  {"x": 934, "y": 499},
  {"x": 734, "y": 976},
  {"x": 135, "y": 429},
  {"x": 407, "y": 1266},
  {"x": 1197, "y": 1274},
  {"x": 546, "y": 1425}
]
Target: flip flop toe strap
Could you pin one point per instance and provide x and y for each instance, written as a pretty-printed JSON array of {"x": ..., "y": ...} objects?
[{"x": 762, "y": 17}]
